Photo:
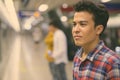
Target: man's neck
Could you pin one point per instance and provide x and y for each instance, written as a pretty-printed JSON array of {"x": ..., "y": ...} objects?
[{"x": 88, "y": 48}]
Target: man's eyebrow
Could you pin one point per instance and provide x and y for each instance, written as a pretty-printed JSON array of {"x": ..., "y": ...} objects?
[
  {"x": 83, "y": 22},
  {"x": 80, "y": 21},
  {"x": 73, "y": 22}
]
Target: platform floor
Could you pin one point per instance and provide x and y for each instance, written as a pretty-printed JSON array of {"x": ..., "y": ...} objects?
[{"x": 22, "y": 59}]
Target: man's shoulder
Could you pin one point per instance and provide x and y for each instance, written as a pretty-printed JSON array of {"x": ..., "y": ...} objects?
[
  {"x": 109, "y": 56},
  {"x": 78, "y": 53}
]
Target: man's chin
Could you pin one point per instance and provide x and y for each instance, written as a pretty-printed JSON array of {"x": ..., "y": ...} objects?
[{"x": 78, "y": 44}]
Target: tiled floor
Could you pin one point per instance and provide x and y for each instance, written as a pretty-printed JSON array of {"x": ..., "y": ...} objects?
[{"x": 24, "y": 60}]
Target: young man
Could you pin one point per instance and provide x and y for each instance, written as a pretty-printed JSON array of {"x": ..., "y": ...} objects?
[
  {"x": 59, "y": 50},
  {"x": 94, "y": 61}
]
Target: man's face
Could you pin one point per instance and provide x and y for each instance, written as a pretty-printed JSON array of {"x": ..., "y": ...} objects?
[{"x": 84, "y": 31}]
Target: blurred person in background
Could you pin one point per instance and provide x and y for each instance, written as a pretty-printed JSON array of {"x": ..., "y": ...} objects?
[
  {"x": 49, "y": 44},
  {"x": 94, "y": 61},
  {"x": 59, "y": 53},
  {"x": 37, "y": 35}
]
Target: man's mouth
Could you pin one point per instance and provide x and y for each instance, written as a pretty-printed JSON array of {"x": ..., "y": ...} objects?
[{"x": 77, "y": 37}]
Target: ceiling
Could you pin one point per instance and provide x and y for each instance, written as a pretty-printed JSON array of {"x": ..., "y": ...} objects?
[
  {"x": 113, "y": 6},
  {"x": 34, "y": 4}
]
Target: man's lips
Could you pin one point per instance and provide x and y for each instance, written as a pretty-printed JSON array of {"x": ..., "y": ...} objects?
[{"x": 77, "y": 37}]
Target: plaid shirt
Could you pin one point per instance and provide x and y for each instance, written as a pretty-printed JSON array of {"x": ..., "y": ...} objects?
[{"x": 100, "y": 64}]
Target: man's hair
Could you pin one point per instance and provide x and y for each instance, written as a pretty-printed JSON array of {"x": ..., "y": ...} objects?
[{"x": 99, "y": 12}]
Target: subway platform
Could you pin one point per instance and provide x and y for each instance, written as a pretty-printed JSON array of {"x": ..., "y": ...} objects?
[{"x": 22, "y": 59}]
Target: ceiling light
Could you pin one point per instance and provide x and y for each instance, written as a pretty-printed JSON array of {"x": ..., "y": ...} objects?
[
  {"x": 64, "y": 18},
  {"x": 43, "y": 7},
  {"x": 104, "y": 1},
  {"x": 65, "y": 5},
  {"x": 27, "y": 26}
]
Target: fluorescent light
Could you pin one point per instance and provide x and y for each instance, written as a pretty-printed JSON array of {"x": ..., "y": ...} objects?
[
  {"x": 43, "y": 7},
  {"x": 12, "y": 14},
  {"x": 27, "y": 23},
  {"x": 104, "y": 1}
]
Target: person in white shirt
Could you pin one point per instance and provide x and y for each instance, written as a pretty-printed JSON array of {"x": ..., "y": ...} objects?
[{"x": 59, "y": 50}]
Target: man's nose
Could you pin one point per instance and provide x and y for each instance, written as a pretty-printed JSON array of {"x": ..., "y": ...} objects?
[{"x": 77, "y": 28}]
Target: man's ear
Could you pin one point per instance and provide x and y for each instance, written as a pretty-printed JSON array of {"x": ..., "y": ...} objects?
[{"x": 99, "y": 29}]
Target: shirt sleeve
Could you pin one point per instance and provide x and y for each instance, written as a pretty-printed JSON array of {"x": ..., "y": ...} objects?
[{"x": 114, "y": 73}]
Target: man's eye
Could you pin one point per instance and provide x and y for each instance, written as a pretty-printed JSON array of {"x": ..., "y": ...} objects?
[
  {"x": 83, "y": 24},
  {"x": 74, "y": 24}
]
